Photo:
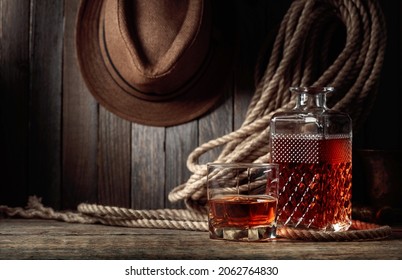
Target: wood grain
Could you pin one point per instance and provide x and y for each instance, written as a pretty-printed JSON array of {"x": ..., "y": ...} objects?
[
  {"x": 38, "y": 239},
  {"x": 80, "y": 125},
  {"x": 14, "y": 100},
  {"x": 114, "y": 160},
  {"x": 217, "y": 123},
  {"x": 181, "y": 140},
  {"x": 147, "y": 167},
  {"x": 45, "y": 101}
]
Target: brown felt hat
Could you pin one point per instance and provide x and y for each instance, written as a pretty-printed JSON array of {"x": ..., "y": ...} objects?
[{"x": 155, "y": 62}]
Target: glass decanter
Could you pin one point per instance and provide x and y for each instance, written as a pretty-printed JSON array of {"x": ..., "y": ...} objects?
[{"x": 313, "y": 146}]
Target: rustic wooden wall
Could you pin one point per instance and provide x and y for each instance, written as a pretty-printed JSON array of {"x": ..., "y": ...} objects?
[{"x": 59, "y": 144}]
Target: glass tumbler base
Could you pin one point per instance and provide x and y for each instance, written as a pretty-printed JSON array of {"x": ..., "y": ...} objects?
[{"x": 264, "y": 233}]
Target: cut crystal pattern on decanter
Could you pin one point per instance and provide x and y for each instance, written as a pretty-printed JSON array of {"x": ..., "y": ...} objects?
[{"x": 313, "y": 146}]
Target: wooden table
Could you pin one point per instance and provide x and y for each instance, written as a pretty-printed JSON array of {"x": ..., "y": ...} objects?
[{"x": 45, "y": 239}]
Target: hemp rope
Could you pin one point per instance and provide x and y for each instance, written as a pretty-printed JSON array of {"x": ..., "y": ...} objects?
[
  {"x": 179, "y": 219},
  {"x": 302, "y": 44}
]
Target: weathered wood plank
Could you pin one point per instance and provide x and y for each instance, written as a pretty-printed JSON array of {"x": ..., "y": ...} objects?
[
  {"x": 147, "y": 167},
  {"x": 80, "y": 124},
  {"x": 181, "y": 140},
  {"x": 114, "y": 160},
  {"x": 33, "y": 239},
  {"x": 217, "y": 123},
  {"x": 14, "y": 99},
  {"x": 45, "y": 101}
]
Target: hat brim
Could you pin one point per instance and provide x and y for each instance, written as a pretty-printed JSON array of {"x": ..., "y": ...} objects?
[{"x": 199, "y": 97}]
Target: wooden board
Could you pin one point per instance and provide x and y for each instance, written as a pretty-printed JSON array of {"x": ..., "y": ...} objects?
[
  {"x": 41, "y": 239},
  {"x": 45, "y": 129},
  {"x": 14, "y": 99}
]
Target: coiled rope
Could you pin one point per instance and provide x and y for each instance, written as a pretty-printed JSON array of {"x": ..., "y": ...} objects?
[
  {"x": 302, "y": 44},
  {"x": 301, "y": 55}
]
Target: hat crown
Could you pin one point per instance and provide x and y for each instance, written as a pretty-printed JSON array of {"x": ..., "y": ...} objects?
[
  {"x": 149, "y": 40},
  {"x": 149, "y": 28}
]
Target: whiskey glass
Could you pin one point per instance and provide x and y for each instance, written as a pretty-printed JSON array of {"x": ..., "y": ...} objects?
[{"x": 242, "y": 201}]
